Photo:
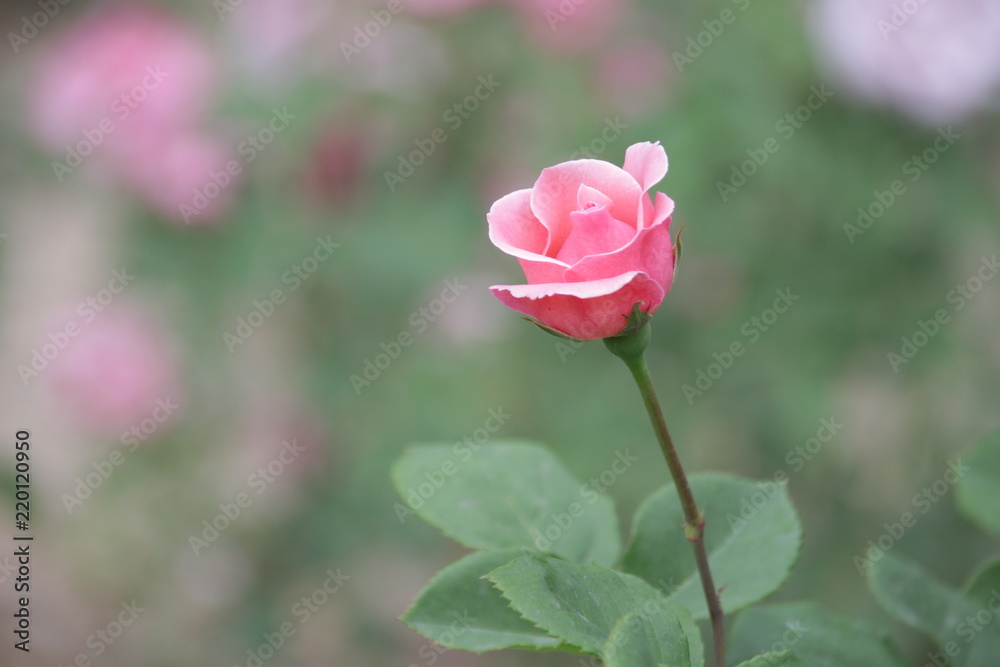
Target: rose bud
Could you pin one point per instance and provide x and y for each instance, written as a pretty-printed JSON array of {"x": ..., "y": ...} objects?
[{"x": 591, "y": 241}]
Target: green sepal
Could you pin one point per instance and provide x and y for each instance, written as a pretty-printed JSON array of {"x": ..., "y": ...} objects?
[
  {"x": 678, "y": 247},
  {"x": 634, "y": 338},
  {"x": 550, "y": 330}
]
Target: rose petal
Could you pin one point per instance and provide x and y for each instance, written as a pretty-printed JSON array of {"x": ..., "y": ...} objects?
[
  {"x": 585, "y": 310},
  {"x": 595, "y": 232},
  {"x": 663, "y": 210},
  {"x": 515, "y": 230},
  {"x": 650, "y": 214},
  {"x": 647, "y": 163},
  {"x": 587, "y": 197},
  {"x": 514, "y": 227},
  {"x": 651, "y": 252},
  {"x": 556, "y": 190}
]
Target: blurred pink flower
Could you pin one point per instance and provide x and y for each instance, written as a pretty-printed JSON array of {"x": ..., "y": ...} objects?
[
  {"x": 128, "y": 86},
  {"x": 634, "y": 76},
  {"x": 190, "y": 178},
  {"x": 936, "y": 61},
  {"x": 117, "y": 373},
  {"x": 570, "y": 26},
  {"x": 281, "y": 438},
  {"x": 275, "y": 40},
  {"x": 144, "y": 71}
]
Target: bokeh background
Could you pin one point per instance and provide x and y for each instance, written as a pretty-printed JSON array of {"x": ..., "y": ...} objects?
[{"x": 216, "y": 216}]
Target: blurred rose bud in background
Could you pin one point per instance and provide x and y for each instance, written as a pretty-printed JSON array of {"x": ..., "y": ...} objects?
[{"x": 335, "y": 169}]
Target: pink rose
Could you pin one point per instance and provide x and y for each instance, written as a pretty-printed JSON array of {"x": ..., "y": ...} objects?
[
  {"x": 117, "y": 371},
  {"x": 128, "y": 66},
  {"x": 133, "y": 86},
  {"x": 190, "y": 180},
  {"x": 591, "y": 242}
]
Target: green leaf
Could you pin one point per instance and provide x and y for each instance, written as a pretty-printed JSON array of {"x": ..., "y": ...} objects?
[
  {"x": 638, "y": 639},
  {"x": 964, "y": 625},
  {"x": 508, "y": 495},
  {"x": 818, "y": 637},
  {"x": 752, "y": 535},
  {"x": 983, "y": 587},
  {"x": 462, "y": 610},
  {"x": 912, "y": 596},
  {"x": 985, "y": 581},
  {"x": 779, "y": 659},
  {"x": 600, "y": 611},
  {"x": 978, "y": 490}
]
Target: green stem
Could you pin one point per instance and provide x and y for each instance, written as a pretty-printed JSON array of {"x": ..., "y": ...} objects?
[{"x": 631, "y": 352}]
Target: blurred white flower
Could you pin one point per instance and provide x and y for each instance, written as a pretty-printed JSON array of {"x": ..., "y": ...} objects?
[{"x": 936, "y": 61}]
